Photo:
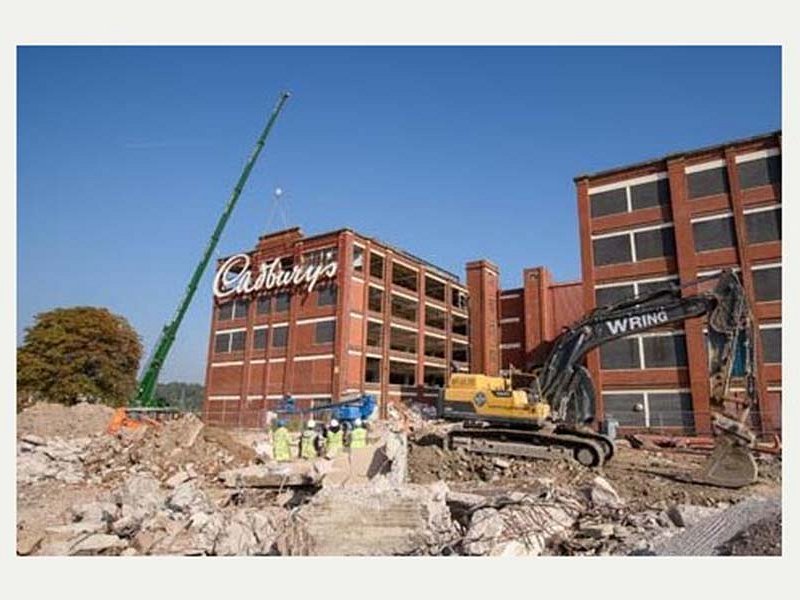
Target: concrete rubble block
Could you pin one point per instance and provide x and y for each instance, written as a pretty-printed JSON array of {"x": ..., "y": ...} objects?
[
  {"x": 600, "y": 493},
  {"x": 71, "y": 530},
  {"x": 371, "y": 520},
  {"x": 296, "y": 474},
  {"x": 237, "y": 538},
  {"x": 188, "y": 498},
  {"x": 28, "y": 542},
  {"x": 94, "y": 512},
  {"x": 485, "y": 532},
  {"x": 688, "y": 515},
  {"x": 98, "y": 543},
  {"x": 598, "y": 530},
  {"x": 33, "y": 440},
  {"x": 140, "y": 492},
  {"x": 177, "y": 479}
]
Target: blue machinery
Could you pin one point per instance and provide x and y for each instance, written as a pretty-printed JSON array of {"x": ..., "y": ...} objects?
[{"x": 345, "y": 411}]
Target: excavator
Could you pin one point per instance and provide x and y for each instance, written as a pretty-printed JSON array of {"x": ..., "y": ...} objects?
[{"x": 550, "y": 416}]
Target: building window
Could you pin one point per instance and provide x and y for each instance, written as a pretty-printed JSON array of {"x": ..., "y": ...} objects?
[
  {"x": 402, "y": 340},
  {"x": 404, "y": 308},
  {"x": 358, "y": 259},
  {"x": 459, "y": 352},
  {"x": 662, "y": 351},
  {"x": 280, "y": 335},
  {"x": 374, "y": 334},
  {"x": 263, "y": 305},
  {"x": 459, "y": 299},
  {"x": 287, "y": 262},
  {"x": 404, "y": 277},
  {"x": 282, "y": 302},
  {"x": 763, "y": 225},
  {"x": 435, "y": 318},
  {"x": 401, "y": 373},
  {"x": 231, "y": 341},
  {"x": 434, "y": 376},
  {"x": 238, "y": 340},
  {"x": 620, "y": 354},
  {"x": 607, "y": 296},
  {"x": 612, "y": 250},
  {"x": 324, "y": 332},
  {"x": 654, "y": 243},
  {"x": 375, "y": 299},
  {"x": 627, "y": 409},
  {"x": 460, "y": 325},
  {"x": 646, "y": 288},
  {"x": 326, "y": 296},
  {"x": 709, "y": 182},
  {"x": 612, "y": 294},
  {"x": 434, "y": 289},
  {"x": 767, "y": 283},
  {"x": 376, "y": 265},
  {"x": 650, "y": 409},
  {"x": 609, "y": 203},
  {"x": 434, "y": 347},
  {"x": 713, "y": 234},
  {"x": 319, "y": 257},
  {"x": 647, "y": 195},
  {"x": 260, "y": 339},
  {"x": 764, "y": 171},
  {"x": 771, "y": 343},
  {"x": 372, "y": 372},
  {"x": 235, "y": 309}
]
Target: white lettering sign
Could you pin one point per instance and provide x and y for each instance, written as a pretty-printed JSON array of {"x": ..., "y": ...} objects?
[
  {"x": 235, "y": 277},
  {"x": 627, "y": 324}
]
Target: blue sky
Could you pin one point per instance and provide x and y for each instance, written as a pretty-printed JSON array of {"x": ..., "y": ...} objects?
[{"x": 127, "y": 155}]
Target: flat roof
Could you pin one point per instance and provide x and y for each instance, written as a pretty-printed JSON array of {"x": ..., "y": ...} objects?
[{"x": 693, "y": 151}]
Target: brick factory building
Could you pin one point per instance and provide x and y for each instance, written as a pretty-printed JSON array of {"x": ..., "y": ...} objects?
[
  {"x": 375, "y": 319},
  {"x": 675, "y": 219}
]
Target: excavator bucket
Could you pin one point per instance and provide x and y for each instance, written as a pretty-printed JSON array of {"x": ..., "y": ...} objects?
[{"x": 730, "y": 465}]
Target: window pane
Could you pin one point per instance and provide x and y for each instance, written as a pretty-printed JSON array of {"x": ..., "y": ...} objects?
[
  {"x": 434, "y": 347},
  {"x": 358, "y": 259},
  {"x": 627, "y": 409},
  {"x": 460, "y": 352},
  {"x": 435, "y": 318},
  {"x": 376, "y": 266},
  {"x": 460, "y": 325},
  {"x": 767, "y": 283},
  {"x": 655, "y": 243},
  {"x": 707, "y": 183},
  {"x": 670, "y": 409},
  {"x": 612, "y": 295},
  {"x": 434, "y": 289},
  {"x": 710, "y": 235},
  {"x": 764, "y": 171},
  {"x": 401, "y": 373},
  {"x": 372, "y": 374},
  {"x": 263, "y": 305},
  {"x": 240, "y": 309},
  {"x": 375, "y": 300},
  {"x": 771, "y": 345},
  {"x": 237, "y": 341},
  {"x": 374, "y": 333},
  {"x": 763, "y": 226},
  {"x": 260, "y": 339},
  {"x": 654, "y": 193},
  {"x": 279, "y": 336},
  {"x": 326, "y": 296},
  {"x": 608, "y": 203},
  {"x": 620, "y": 354},
  {"x": 282, "y": 302},
  {"x": 403, "y": 308},
  {"x": 460, "y": 299},
  {"x": 664, "y": 351},
  {"x": 612, "y": 250},
  {"x": 403, "y": 340},
  {"x": 225, "y": 312},
  {"x": 222, "y": 342},
  {"x": 651, "y": 287},
  {"x": 325, "y": 332},
  {"x": 404, "y": 277}
]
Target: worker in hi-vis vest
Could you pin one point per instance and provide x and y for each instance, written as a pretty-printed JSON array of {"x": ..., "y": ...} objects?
[
  {"x": 358, "y": 437},
  {"x": 281, "y": 448},
  {"x": 334, "y": 439},
  {"x": 307, "y": 441}
]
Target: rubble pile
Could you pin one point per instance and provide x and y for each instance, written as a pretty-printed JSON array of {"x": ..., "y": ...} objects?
[{"x": 49, "y": 420}]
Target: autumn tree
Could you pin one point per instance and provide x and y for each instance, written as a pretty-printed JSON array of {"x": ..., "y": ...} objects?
[{"x": 79, "y": 353}]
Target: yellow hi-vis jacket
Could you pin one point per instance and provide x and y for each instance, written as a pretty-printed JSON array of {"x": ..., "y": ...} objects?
[
  {"x": 280, "y": 444},
  {"x": 358, "y": 438},
  {"x": 307, "y": 449},
  {"x": 333, "y": 443}
]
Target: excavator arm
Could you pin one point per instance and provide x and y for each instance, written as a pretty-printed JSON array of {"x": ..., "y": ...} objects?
[{"x": 566, "y": 385}]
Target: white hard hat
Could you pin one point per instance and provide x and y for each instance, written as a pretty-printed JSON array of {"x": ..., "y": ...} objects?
[
  {"x": 310, "y": 424},
  {"x": 334, "y": 422},
  {"x": 357, "y": 422}
]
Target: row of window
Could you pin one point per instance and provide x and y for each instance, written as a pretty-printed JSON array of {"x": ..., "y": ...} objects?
[
  {"x": 669, "y": 350},
  {"x": 401, "y": 373},
  {"x": 406, "y": 309},
  {"x": 403, "y": 340},
  {"x": 276, "y": 337},
  {"x": 277, "y": 303},
  {"x": 709, "y": 234},
  {"x": 699, "y": 184}
]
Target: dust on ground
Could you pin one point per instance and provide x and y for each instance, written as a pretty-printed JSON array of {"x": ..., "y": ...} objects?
[{"x": 57, "y": 420}]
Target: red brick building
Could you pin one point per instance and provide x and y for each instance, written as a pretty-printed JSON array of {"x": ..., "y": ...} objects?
[
  {"x": 378, "y": 320},
  {"x": 675, "y": 219}
]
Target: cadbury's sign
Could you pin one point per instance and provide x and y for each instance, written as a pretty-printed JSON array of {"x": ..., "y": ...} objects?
[{"x": 236, "y": 277}]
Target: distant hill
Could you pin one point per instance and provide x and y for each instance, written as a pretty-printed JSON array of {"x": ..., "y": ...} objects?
[{"x": 181, "y": 395}]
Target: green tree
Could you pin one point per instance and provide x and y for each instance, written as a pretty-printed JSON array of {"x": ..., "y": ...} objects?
[{"x": 79, "y": 353}]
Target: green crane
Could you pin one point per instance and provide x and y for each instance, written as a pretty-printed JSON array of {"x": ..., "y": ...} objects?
[{"x": 147, "y": 385}]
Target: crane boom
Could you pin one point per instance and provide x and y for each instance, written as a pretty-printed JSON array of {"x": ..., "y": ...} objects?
[{"x": 147, "y": 384}]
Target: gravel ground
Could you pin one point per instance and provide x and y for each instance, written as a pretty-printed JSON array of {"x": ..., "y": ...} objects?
[{"x": 760, "y": 539}]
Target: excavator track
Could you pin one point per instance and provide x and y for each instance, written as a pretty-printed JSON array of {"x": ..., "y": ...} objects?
[{"x": 551, "y": 445}]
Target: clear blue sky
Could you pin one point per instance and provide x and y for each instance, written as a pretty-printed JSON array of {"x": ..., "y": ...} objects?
[{"x": 126, "y": 156}]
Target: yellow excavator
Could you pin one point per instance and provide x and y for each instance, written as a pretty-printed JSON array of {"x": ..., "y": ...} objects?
[{"x": 551, "y": 415}]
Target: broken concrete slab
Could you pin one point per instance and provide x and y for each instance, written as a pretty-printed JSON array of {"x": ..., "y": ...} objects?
[
  {"x": 98, "y": 543},
  {"x": 141, "y": 492},
  {"x": 688, "y": 515},
  {"x": 188, "y": 498},
  {"x": 276, "y": 476},
  {"x": 600, "y": 493}
]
